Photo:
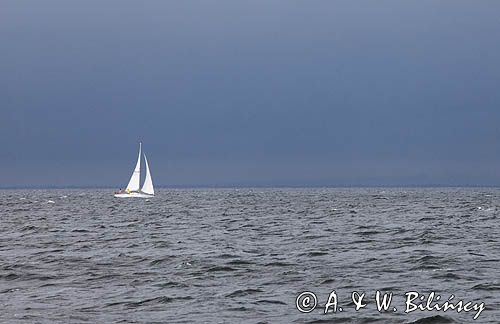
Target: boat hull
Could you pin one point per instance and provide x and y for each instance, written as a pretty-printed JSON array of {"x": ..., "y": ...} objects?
[{"x": 133, "y": 195}]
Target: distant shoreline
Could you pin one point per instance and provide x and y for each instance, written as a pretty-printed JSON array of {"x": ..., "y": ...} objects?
[{"x": 259, "y": 187}]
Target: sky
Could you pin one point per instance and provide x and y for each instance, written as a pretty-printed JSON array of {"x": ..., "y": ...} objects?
[{"x": 250, "y": 93}]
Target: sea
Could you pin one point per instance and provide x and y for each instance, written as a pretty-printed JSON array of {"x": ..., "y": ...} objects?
[{"x": 251, "y": 255}]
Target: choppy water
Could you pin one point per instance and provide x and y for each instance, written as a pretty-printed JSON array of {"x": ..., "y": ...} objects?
[{"x": 244, "y": 255}]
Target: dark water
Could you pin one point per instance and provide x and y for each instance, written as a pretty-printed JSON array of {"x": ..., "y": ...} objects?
[{"x": 230, "y": 256}]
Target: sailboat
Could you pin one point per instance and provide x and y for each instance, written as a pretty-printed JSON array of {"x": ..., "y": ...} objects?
[{"x": 132, "y": 190}]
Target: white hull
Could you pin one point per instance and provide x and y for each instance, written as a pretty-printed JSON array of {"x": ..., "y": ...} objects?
[{"x": 133, "y": 195}]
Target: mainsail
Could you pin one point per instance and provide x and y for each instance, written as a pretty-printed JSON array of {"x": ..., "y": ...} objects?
[
  {"x": 148, "y": 182},
  {"x": 134, "y": 183}
]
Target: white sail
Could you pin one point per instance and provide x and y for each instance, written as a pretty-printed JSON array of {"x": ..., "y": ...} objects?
[
  {"x": 148, "y": 182},
  {"x": 134, "y": 183}
]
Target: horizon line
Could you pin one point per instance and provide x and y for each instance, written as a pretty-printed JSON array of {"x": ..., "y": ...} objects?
[{"x": 243, "y": 186}]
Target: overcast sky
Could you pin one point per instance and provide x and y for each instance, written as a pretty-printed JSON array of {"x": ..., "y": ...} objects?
[{"x": 250, "y": 92}]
